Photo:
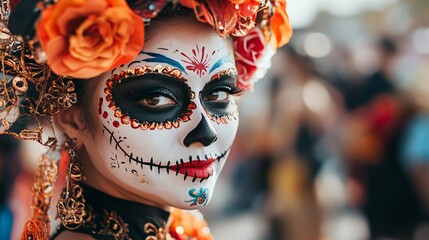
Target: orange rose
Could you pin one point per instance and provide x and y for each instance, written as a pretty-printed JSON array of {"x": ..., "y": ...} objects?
[
  {"x": 280, "y": 24},
  {"x": 83, "y": 39}
]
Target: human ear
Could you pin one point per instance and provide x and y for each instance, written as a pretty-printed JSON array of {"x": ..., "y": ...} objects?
[{"x": 69, "y": 122}]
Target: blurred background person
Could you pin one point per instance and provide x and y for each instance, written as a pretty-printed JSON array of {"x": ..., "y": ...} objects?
[
  {"x": 415, "y": 151},
  {"x": 326, "y": 143}
]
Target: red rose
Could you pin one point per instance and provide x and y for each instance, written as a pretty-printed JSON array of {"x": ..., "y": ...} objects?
[{"x": 248, "y": 51}]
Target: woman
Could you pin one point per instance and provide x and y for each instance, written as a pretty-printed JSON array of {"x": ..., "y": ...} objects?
[{"x": 155, "y": 117}]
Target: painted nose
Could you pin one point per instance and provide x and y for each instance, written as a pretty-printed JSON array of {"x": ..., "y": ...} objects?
[{"x": 202, "y": 133}]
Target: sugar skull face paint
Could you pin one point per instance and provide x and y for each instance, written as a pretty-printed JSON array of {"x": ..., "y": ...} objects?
[
  {"x": 167, "y": 120},
  {"x": 150, "y": 98}
]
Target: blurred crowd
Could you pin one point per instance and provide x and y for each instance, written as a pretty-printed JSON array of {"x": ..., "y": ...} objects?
[{"x": 333, "y": 144}]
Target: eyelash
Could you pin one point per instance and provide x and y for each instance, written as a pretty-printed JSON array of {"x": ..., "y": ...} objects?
[{"x": 234, "y": 90}]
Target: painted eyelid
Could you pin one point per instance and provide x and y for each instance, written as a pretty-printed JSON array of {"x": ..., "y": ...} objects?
[
  {"x": 226, "y": 80},
  {"x": 159, "y": 107},
  {"x": 228, "y": 88},
  {"x": 143, "y": 90},
  {"x": 228, "y": 91},
  {"x": 163, "y": 92},
  {"x": 173, "y": 102}
]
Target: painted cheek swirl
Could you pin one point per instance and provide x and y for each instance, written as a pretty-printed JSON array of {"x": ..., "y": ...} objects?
[{"x": 127, "y": 90}]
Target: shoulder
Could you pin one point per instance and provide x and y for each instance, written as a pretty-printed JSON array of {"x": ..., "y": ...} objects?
[{"x": 73, "y": 235}]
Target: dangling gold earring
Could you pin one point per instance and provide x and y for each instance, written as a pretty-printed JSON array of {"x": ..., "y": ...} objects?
[
  {"x": 71, "y": 206},
  {"x": 43, "y": 189}
]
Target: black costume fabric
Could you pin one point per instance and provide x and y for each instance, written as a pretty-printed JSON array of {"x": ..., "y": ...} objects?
[{"x": 114, "y": 218}]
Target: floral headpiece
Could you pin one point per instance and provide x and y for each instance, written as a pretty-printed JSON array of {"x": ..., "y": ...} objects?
[{"x": 46, "y": 44}]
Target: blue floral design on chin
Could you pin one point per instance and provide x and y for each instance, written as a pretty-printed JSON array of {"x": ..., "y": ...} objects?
[{"x": 199, "y": 197}]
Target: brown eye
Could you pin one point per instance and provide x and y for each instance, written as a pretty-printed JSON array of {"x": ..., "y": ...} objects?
[
  {"x": 157, "y": 101},
  {"x": 217, "y": 96}
]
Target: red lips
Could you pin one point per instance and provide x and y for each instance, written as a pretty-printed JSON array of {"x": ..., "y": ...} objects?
[{"x": 195, "y": 168}]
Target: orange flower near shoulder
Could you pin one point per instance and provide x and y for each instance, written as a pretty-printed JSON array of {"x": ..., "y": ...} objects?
[
  {"x": 185, "y": 225},
  {"x": 83, "y": 39},
  {"x": 280, "y": 24}
]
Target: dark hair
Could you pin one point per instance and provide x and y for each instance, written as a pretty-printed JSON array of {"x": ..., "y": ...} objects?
[{"x": 85, "y": 94}]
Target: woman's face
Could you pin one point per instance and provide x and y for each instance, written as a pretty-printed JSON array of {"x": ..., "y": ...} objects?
[{"x": 166, "y": 121}]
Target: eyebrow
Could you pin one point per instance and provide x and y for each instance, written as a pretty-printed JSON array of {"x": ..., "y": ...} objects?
[
  {"x": 220, "y": 62},
  {"x": 159, "y": 58}
]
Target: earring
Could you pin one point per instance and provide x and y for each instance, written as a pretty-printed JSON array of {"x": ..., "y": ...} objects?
[
  {"x": 46, "y": 174},
  {"x": 71, "y": 206}
]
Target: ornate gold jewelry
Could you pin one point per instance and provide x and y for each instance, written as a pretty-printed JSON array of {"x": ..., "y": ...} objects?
[
  {"x": 43, "y": 189},
  {"x": 114, "y": 225},
  {"x": 71, "y": 207},
  {"x": 22, "y": 71}
]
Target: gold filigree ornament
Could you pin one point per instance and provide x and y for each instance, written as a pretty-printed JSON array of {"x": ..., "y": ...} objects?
[
  {"x": 29, "y": 90},
  {"x": 114, "y": 225},
  {"x": 37, "y": 228},
  {"x": 71, "y": 206}
]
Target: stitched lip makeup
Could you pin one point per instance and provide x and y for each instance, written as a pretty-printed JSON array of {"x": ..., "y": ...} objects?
[{"x": 195, "y": 168}]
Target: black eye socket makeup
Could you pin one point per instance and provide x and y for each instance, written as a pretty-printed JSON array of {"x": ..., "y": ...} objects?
[
  {"x": 152, "y": 97},
  {"x": 217, "y": 94},
  {"x": 158, "y": 98},
  {"x": 149, "y": 98}
]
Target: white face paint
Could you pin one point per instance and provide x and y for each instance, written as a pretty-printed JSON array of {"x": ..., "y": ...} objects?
[{"x": 162, "y": 137}]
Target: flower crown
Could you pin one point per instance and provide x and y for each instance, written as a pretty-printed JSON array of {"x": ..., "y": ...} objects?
[{"x": 48, "y": 43}]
